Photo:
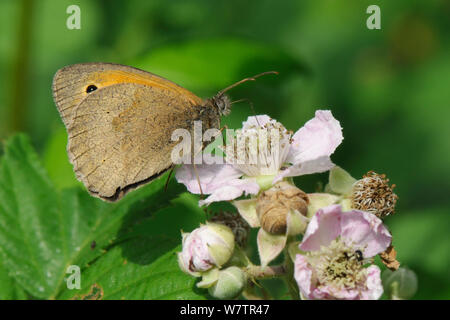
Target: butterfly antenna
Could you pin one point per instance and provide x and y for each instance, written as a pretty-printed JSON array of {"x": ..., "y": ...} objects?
[
  {"x": 251, "y": 107},
  {"x": 245, "y": 80}
]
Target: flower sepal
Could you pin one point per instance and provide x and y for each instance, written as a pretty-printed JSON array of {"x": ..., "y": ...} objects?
[
  {"x": 318, "y": 201},
  {"x": 230, "y": 283},
  {"x": 340, "y": 181},
  {"x": 209, "y": 278},
  {"x": 293, "y": 249},
  {"x": 221, "y": 251},
  {"x": 247, "y": 210}
]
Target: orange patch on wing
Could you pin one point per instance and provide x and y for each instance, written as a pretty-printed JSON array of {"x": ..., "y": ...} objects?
[{"x": 111, "y": 77}]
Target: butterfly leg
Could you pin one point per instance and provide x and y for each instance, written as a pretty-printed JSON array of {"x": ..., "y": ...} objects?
[{"x": 168, "y": 178}]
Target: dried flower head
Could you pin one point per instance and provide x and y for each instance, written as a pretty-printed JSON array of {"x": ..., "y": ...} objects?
[
  {"x": 373, "y": 194},
  {"x": 238, "y": 226},
  {"x": 274, "y": 205}
]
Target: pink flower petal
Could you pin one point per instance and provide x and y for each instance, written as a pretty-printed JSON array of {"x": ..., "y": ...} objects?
[
  {"x": 303, "y": 276},
  {"x": 231, "y": 190},
  {"x": 359, "y": 229},
  {"x": 373, "y": 284},
  {"x": 318, "y": 138},
  {"x": 325, "y": 226},
  {"x": 321, "y": 164},
  {"x": 365, "y": 231},
  {"x": 328, "y": 292},
  {"x": 210, "y": 176}
]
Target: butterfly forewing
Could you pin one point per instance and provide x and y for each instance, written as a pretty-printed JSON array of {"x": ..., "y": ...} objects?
[
  {"x": 120, "y": 136},
  {"x": 73, "y": 83},
  {"x": 119, "y": 121}
]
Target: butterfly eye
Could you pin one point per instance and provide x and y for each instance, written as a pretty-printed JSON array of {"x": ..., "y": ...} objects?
[{"x": 91, "y": 88}]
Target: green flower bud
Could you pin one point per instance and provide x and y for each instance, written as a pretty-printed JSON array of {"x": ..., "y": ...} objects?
[
  {"x": 230, "y": 283},
  {"x": 400, "y": 284}
]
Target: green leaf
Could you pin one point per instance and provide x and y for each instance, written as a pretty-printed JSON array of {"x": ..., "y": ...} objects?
[
  {"x": 9, "y": 289},
  {"x": 30, "y": 224},
  {"x": 43, "y": 231},
  {"x": 141, "y": 268},
  {"x": 183, "y": 214}
]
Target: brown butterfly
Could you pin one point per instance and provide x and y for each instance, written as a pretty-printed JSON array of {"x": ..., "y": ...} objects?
[{"x": 120, "y": 120}]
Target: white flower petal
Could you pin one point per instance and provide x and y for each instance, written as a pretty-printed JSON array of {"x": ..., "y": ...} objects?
[{"x": 247, "y": 210}]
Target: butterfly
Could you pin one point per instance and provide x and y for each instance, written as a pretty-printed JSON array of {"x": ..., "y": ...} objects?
[{"x": 120, "y": 120}]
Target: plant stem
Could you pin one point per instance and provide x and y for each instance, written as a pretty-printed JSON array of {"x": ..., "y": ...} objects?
[{"x": 289, "y": 276}]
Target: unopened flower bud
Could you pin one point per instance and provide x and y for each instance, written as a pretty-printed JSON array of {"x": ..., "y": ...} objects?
[
  {"x": 206, "y": 247},
  {"x": 373, "y": 194},
  {"x": 230, "y": 283},
  {"x": 274, "y": 205},
  {"x": 400, "y": 284},
  {"x": 238, "y": 226}
]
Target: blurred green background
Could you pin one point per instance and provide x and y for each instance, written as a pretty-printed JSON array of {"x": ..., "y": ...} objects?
[{"x": 389, "y": 88}]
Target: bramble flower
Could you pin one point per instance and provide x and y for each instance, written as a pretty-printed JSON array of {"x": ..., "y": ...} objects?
[
  {"x": 263, "y": 153},
  {"x": 206, "y": 247},
  {"x": 337, "y": 245}
]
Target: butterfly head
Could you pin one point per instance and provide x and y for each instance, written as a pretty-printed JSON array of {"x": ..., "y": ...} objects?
[{"x": 222, "y": 103}]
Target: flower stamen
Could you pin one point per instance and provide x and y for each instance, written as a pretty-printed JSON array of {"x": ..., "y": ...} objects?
[{"x": 339, "y": 265}]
